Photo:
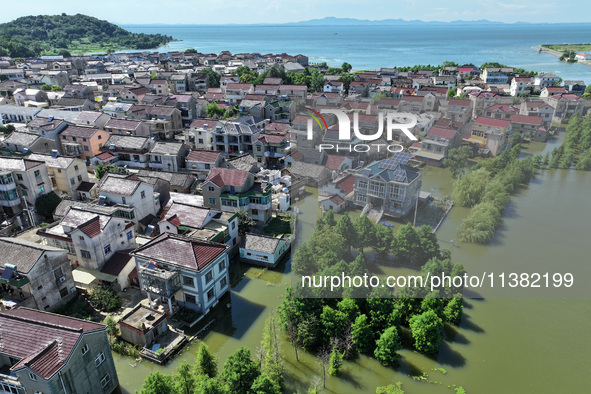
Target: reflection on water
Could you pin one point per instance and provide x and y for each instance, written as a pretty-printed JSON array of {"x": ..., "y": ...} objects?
[{"x": 502, "y": 345}]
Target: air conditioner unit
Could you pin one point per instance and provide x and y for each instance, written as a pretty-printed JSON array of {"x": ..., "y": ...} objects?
[{"x": 62, "y": 279}]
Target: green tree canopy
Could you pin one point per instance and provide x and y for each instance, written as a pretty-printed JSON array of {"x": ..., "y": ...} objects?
[
  {"x": 46, "y": 204},
  {"x": 158, "y": 383},
  {"x": 426, "y": 330},
  {"x": 240, "y": 372},
  {"x": 206, "y": 363},
  {"x": 387, "y": 346}
]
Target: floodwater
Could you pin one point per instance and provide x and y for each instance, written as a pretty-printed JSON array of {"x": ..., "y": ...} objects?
[{"x": 529, "y": 344}]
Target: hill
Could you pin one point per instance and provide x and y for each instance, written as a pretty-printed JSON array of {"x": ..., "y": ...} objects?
[{"x": 30, "y": 36}]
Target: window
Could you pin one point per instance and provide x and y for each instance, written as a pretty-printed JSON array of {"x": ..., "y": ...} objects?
[
  {"x": 255, "y": 211},
  {"x": 223, "y": 282},
  {"x": 76, "y": 168},
  {"x": 37, "y": 173},
  {"x": 99, "y": 360},
  {"x": 85, "y": 349},
  {"x": 143, "y": 194},
  {"x": 64, "y": 292},
  {"x": 72, "y": 181},
  {"x": 209, "y": 277},
  {"x": 212, "y": 200},
  {"x": 129, "y": 235},
  {"x": 188, "y": 281},
  {"x": 123, "y": 200},
  {"x": 79, "y": 178},
  {"x": 19, "y": 177},
  {"x": 233, "y": 225},
  {"x": 211, "y": 188},
  {"x": 81, "y": 238},
  {"x": 221, "y": 266},
  {"x": 210, "y": 295},
  {"x": 59, "y": 170},
  {"x": 108, "y": 249},
  {"x": 105, "y": 380},
  {"x": 190, "y": 298},
  {"x": 32, "y": 376},
  {"x": 85, "y": 254},
  {"x": 42, "y": 188},
  {"x": 86, "y": 148},
  {"x": 58, "y": 273}
]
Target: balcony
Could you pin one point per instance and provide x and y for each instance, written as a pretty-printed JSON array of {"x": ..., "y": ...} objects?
[
  {"x": 260, "y": 206},
  {"x": 7, "y": 186},
  {"x": 159, "y": 281}
]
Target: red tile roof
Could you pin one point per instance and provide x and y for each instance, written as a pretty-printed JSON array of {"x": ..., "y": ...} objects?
[
  {"x": 92, "y": 228},
  {"x": 227, "y": 176},
  {"x": 337, "y": 199},
  {"x": 347, "y": 184},
  {"x": 534, "y": 120},
  {"x": 492, "y": 122},
  {"x": 271, "y": 138},
  {"x": 334, "y": 162},
  {"x": 460, "y": 102},
  {"x": 182, "y": 251},
  {"x": 43, "y": 341},
  {"x": 441, "y": 132},
  {"x": 204, "y": 156}
]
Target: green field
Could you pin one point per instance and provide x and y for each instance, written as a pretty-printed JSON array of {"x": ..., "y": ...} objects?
[{"x": 568, "y": 47}]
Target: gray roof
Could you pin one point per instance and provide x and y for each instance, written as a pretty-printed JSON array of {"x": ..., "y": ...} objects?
[
  {"x": 21, "y": 138},
  {"x": 89, "y": 116},
  {"x": 126, "y": 142},
  {"x": 118, "y": 185},
  {"x": 123, "y": 124},
  {"x": 69, "y": 116},
  {"x": 17, "y": 164},
  {"x": 174, "y": 178},
  {"x": 244, "y": 162},
  {"x": 18, "y": 110},
  {"x": 23, "y": 254},
  {"x": 259, "y": 243},
  {"x": 45, "y": 123},
  {"x": 313, "y": 171},
  {"x": 54, "y": 162},
  {"x": 167, "y": 148}
]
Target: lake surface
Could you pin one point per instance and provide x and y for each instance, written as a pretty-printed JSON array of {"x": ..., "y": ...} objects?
[
  {"x": 371, "y": 47},
  {"x": 504, "y": 345}
]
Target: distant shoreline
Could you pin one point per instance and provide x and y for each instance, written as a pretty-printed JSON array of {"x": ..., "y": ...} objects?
[{"x": 552, "y": 52}]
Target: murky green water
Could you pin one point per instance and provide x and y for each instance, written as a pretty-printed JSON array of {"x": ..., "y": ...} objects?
[{"x": 525, "y": 345}]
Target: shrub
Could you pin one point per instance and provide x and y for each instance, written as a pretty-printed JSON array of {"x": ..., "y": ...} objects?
[{"x": 105, "y": 300}]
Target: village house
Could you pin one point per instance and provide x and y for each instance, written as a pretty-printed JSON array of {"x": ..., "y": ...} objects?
[
  {"x": 459, "y": 110},
  {"x": 537, "y": 108},
  {"x": 543, "y": 80},
  {"x": 436, "y": 145},
  {"x": 92, "y": 119},
  {"x": 201, "y": 162},
  {"x": 49, "y": 353},
  {"x": 314, "y": 175},
  {"x": 34, "y": 275},
  {"x": 263, "y": 250},
  {"x": 31, "y": 98},
  {"x": 22, "y": 177},
  {"x": 271, "y": 148},
  {"x": 529, "y": 127},
  {"x": 128, "y": 150},
  {"x": 23, "y": 142},
  {"x": 237, "y": 136},
  {"x": 82, "y": 142},
  {"x": 167, "y": 156},
  {"x": 500, "y": 111},
  {"x": 566, "y": 105},
  {"x": 66, "y": 173},
  {"x": 521, "y": 85},
  {"x": 179, "y": 270},
  {"x": 230, "y": 190},
  {"x": 575, "y": 87},
  {"x": 491, "y": 135},
  {"x": 127, "y": 127},
  {"x": 390, "y": 186},
  {"x": 178, "y": 182}
]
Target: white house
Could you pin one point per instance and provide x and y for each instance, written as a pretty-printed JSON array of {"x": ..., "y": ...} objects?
[{"x": 263, "y": 250}]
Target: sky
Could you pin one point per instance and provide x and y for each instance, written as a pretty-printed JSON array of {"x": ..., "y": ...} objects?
[{"x": 125, "y": 12}]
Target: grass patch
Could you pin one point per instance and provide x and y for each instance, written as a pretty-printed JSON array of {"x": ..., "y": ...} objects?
[
  {"x": 568, "y": 47},
  {"x": 279, "y": 225}
]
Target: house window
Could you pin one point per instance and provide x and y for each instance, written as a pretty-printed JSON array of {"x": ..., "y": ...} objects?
[
  {"x": 64, "y": 292},
  {"x": 85, "y": 349},
  {"x": 129, "y": 235},
  {"x": 209, "y": 277},
  {"x": 105, "y": 380},
  {"x": 190, "y": 298},
  {"x": 188, "y": 281},
  {"x": 233, "y": 225},
  {"x": 72, "y": 181},
  {"x": 108, "y": 249},
  {"x": 42, "y": 188},
  {"x": 75, "y": 168},
  {"x": 212, "y": 200},
  {"x": 211, "y": 188},
  {"x": 223, "y": 282},
  {"x": 19, "y": 177},
  {"x": 221, "y": 266},
  {"x": 81, "y": 238},
  {"x": 86, "y": 148},
  {"x": 32, "y": 376},
  {"x": 99, "y": 360},
  {"x": 37, "y": 173},
  {"x": 210, "y": 295},
  {"x": 58, "y": 273},
  {"x": 79, "y": 178},
  {"x": 85, "y": 254},
  {"x": 59, "y": 170},
  {"x": 255, "y": 211},
  {"x": 143, "y": 194},
  {"x": 123, "y": 200}
]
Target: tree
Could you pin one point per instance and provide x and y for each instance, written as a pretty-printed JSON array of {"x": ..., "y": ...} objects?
[
  {"x": 104, "y": 169},
  {"x": 104, "y": 299},
  {"x": 387, "y": 346},
  {"x": 245, "y": 222},
  {"x": 406, "y": 244},
  {"x": 426, "y": 332},
  {"x": 346, "y": 67},
  {"x": 329, "y": 219},
  {"x": 240, "y": 371},
  {"x": 3, "y": 77},
  {"x": 46, "y": 87},
  {"x": 207, "y": 385},
  {"x": 184, "y": 380},
  {"x": 365, "y": 232},
  {"x": 384, "y": 238},
  {"x": 206, "y": 363},
  {"x": 323, "y": 357},
  {"x": 346, "y": 229},
  {"x": 112, "y": 329},
  {"x": 452, "y": 92},
  {"x": 335, "y": 362},
  {"x": 271, "y": 360},
  {"x": 191, "y": 50},
  {"x": 265, "y": 385},
  {"x": 46, "y": 204},
  {"x": 214, "y": 111},
  {"x": 213, "y": 78},
  {"x": 390, "y": 389},
  {"x": 363, "y": 336},
  {"x": 157, "y": 383},
  {"x": 453, "y": 311},
  {"x": 469, "y": 188},
  {"x": 457, "y": 160},
  {"x": 429, "y": 245},
  {"x": 64, "y": 53}
]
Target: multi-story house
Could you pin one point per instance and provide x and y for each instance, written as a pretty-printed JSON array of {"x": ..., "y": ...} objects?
[
  {"x": 500, "y": 111},
  {"x": 234, "y": 137},
  {"x": 521, "y": 85},
  {"x": 538, "y": 108},
  {"x": 199, "y": 134},
  {"x": 529, "y": 127},
  {"x": 22, "y": 178},
  {"x": 159, "y": 86},
  {"x": 390, "y": 185},
  {"x": 167, "y": 156},
  {"x": 39, "y": 275},
  {"x": 202, "y": 161},
  {"x": 566, "y": 105},
  {"x": 496, "y": 76},
  {"x": 117, "y": 110},
  {"x": 575, "y": 87},
  {"x": 163, "y": 120},
  {"x": 232, "y": 190},
  {"x": 184, "y": 270},
  {"x": 136, "y": 128},
  {"x": 17, "y": 114},
  {"x": 459, "y": 110},
  {"x": 90, "y": 238},
  {"x": 66, "y": 173},
  {"x": 49, "y": 353},
  {"x": 129, "y": 192},
  {"x": 271, "y": 148},
  {"x": 235, "y": 92},
  {"x": 23, "y": 142},
  {"x": 491, "y": 135},
  {"x": 129, "y": 151},
  {"x": 82, "y": 142},
  {"x": 543, "y": 80},
  {"x": 437, "y": 143},
  {"x": 47, "y": 128}
]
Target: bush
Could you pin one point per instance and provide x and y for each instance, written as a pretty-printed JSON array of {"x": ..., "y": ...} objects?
[{"x": 105, "y": 300}]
